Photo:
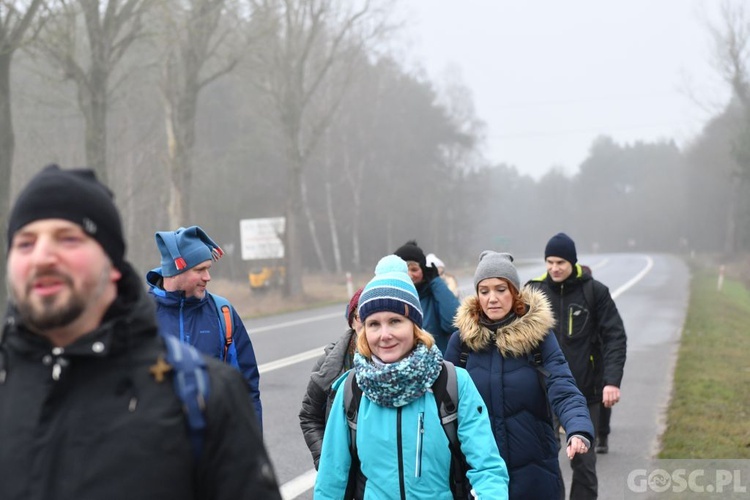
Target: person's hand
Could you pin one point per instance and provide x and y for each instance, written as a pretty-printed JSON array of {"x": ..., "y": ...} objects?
[
  {"x": 576, "y": 445},
  {"x": 430, "y": 273},
  {"x": 610, "y": 395}
]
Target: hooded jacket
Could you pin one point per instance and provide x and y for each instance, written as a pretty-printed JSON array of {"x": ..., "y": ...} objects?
[
  {"x": 318, "y": 397},
  {"x": 394, "y": 457},
  {"x": 196, "y": 322},
  {"x": 501, "y": 366},
  {"x": 592, "y": 336},
  {"x": 93, "y": 421}
]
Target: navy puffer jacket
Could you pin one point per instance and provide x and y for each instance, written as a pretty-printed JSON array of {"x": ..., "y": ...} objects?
[{"x": 501, "y": 364}]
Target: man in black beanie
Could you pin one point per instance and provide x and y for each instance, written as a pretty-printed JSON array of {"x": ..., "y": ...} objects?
[
  {"x": 89, "y": 407},
  {"x": 592, "y": 336},
  {"x": 438, "y": 303}
]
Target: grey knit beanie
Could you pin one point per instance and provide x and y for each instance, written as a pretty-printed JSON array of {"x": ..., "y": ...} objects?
[{"x": 496, "y": 265}]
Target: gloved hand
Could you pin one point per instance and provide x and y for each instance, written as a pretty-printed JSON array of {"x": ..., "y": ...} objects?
[{"x": 430, "y": 273}]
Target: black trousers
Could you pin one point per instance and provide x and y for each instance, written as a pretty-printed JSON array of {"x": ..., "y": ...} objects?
[
  {"x": 604, "y": 415},
  {"x": 584, "y": 485}
]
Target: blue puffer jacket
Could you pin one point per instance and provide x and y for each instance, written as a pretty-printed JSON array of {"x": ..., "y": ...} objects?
[
  {"x": 196, "y": 322},
  {"x": 501, "y": 364},
  {"x": 439, "y": 307},
  {"x": 387, "y": 443}
]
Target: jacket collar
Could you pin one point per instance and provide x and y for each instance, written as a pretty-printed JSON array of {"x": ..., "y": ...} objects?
[
  {"x": 517, "y": 338},
  {"x": 130, "y": 317}
]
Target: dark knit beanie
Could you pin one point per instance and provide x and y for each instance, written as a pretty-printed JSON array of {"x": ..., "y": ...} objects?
[
  {"x": 560, "y": 245},
  {"x": 74, "y": 195},
  {"x": 496, "y": 265},
  {"x": 409, "y": 251},
  {"x": 351, "y": 307}
]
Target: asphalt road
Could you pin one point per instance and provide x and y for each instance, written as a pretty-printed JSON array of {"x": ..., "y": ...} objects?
[{"x": 651, "y": 292}]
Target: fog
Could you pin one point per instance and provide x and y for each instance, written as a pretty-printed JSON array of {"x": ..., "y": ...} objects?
[{"x": 333, "y": 126}]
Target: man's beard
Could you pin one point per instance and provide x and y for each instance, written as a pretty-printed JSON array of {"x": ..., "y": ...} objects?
[{"x": 48, "y": 313}]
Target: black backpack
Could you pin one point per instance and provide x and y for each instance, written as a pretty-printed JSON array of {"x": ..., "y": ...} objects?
[{"x": 445, "y": 390}]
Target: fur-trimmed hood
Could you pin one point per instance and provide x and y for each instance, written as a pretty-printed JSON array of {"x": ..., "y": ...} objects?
[{"x": 518, "y": 338}]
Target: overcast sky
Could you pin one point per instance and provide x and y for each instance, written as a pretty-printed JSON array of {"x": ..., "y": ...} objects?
[{"x": 549, "y": 76}]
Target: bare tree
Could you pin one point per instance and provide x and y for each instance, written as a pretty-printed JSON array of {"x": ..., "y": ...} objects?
[
  {"x": 15, "y": 21},
  {"x": 310, "y": 58},
  {"x": 109, "y": 29},
  {"x": 196, "y": 55},
  {"x": 732, "y": 54}
]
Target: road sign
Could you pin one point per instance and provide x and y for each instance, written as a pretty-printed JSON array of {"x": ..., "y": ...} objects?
[{"x": 262, "y": 238}]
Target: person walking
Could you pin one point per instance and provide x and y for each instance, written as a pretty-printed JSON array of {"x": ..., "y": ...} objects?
[
  {"x": 88, "y": 402},
  {"x": 188, "y": 311},
  {"x": 337, "y": 358},
  {"x": 401, "y": 447},
  {"x": 437, "y": 301},
  {"x": 592, "y": 337},
  {"x": 505, "y": 341}
]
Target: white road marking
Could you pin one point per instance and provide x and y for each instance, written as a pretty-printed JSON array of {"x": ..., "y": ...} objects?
[
  {"x": 302, "y": 321},
  {"x": 638, "y": 277},
  {"x": 297, "y": 486},
  {"x": 290, "y": 360}
]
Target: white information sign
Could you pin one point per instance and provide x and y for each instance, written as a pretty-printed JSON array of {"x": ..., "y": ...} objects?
[{"x": 261, "y": 238}]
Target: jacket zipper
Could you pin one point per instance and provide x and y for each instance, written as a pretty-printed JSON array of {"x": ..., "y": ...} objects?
[
  {"x": 562, "y": 308},
  {"x": 182, "y": 324},
  {"x": 420, "y": 436},
  {"x": 401, "y": 485}
]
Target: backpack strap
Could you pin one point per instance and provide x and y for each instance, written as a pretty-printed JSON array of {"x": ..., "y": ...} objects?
[
  {"x": 589, "y": 296},
  {"x": 463, "y": 358},
  {"x": 191, "y": 384},
  {"x": 224, "y": 309},
  {"x": 542, "y": 374},
  {"x": 352, "y": 398},
  {"x": 445, "y": 390}
]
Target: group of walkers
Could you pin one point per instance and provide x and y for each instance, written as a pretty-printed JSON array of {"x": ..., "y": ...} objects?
[
  {"x": 112, "y": 389},
  {"x": 525, "y": 360}
]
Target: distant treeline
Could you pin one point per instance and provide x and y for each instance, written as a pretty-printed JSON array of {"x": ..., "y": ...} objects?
[{"x": 369, "y": 152}]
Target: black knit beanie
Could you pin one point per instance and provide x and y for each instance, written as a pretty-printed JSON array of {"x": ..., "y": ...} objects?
[
  {"x": 409, "y": 251},
  {"x": 74, "y": 195},
  {"x": 560, "y": 245}
]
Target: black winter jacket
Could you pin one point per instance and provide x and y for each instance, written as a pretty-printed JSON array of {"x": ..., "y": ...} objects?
[
  {"x": 106, "y": 428},
  {"x": 592, "y": 336},
  {"x": 318, "y": 398}
]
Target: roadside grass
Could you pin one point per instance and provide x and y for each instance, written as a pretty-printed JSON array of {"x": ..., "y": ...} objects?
[{"x": 709, "y": 413}]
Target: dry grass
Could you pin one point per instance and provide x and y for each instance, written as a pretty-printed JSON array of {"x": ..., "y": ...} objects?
[{"x": 319, "y": 290}]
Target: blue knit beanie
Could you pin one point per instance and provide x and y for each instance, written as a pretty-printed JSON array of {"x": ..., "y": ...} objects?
[
  {"x": 391, "y": 290},
  {"x": 184, "y": 249},
  {"x": 561, "y": 245}
]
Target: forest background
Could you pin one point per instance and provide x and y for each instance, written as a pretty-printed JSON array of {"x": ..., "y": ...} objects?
[{"x": 207, "y": 112}]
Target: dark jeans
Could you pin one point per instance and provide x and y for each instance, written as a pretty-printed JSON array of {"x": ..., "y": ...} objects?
[
  {"x": 604, "y": 415},
  {"x": 584, "y": 485}
]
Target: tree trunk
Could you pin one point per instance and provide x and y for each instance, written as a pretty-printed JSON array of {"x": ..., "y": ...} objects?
[
  {"x": 333, "y": 228},
  {"x": 7, "y": 146},
  {"x": 293, "y": 286},
  {"x": 311, "y": 226},
  {"x": 93, "y": 102}
]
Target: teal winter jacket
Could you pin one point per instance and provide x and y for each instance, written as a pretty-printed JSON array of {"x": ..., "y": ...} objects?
[{"x": 394, "y": 461}]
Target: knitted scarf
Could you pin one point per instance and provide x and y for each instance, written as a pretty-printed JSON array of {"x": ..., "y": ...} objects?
[{"x": 398, "y": 384}]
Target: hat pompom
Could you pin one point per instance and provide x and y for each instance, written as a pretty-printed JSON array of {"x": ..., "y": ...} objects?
[{"x": 391, "y": 264}]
